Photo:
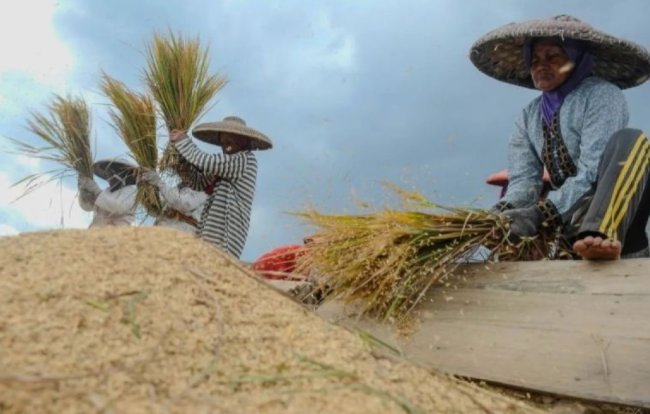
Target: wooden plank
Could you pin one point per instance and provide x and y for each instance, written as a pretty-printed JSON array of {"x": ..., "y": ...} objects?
[{"x": 574, "y": 328}]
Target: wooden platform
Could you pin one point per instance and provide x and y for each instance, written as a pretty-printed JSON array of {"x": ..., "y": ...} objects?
[{"x": 574, "y": 328}]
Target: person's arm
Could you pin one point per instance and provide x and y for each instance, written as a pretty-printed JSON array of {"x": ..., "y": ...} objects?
[
  {"x": 118, "y": 202},
  {"x": 605, "y": 114},
  {"x": 221, "y": 165},
  {"x": 199, "y": 180},
  {"x": 525, "y": 169},
  {"x": 88, "y": 192},
  {"x": 184, "y": 200}
]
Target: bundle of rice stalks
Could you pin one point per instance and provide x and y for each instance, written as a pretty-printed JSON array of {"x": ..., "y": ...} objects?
[
  {"x": 134, "y": 119},
  {"x": 177, "y": 76},
  {"x": 388, "y": 260},
  {"x": 65, "y": 131}
]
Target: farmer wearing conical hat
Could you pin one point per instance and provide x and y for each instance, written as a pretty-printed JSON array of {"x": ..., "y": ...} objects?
[
  {"x": 577, "y": 129},
  {"x": 115, "y": 205},
  {"x": 226, "y": 215}
]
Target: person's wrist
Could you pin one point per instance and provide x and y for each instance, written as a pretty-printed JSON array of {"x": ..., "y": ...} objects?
[
  {"x": 177, "y": 136},
  {"x": 500, "y": 207},
  {"x": 549, "y": 214}
]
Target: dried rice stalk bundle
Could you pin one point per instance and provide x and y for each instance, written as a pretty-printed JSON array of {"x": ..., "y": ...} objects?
[
  {"x": 134, "y": 119},
  {"x": 387, "y": 261},
  {"x": 170, "y": 159},
  {"x": 65, "y": 130},
  {"x": 177, "y": 76}
]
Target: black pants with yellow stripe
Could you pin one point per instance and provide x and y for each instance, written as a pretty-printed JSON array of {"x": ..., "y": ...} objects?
[{"x": 619, "y": 205}]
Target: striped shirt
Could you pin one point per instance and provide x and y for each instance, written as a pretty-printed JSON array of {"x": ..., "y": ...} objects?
[{"x": 226, "y": 215}]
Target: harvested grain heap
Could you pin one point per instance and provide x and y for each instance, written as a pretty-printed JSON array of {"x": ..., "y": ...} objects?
[{"x": 149, "y": 320}]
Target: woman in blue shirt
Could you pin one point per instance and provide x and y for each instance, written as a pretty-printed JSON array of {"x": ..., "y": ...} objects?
[{"x": 577, "y": 130}]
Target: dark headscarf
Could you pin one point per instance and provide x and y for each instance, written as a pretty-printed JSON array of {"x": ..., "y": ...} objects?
[{"x": 578, "y": 53}]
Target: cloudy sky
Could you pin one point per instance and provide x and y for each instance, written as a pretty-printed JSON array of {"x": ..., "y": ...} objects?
[{"x": 352, "y": 93}]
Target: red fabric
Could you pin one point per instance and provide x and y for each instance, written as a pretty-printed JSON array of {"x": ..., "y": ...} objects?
[
  {"x": 209, "y": 189},
  {"x": 500, "y": 178},
  {"x": 280, "y": 260}
]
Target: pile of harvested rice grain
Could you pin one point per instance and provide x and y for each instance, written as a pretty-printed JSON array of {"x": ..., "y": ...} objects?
[{"x": 149, "y": 320}]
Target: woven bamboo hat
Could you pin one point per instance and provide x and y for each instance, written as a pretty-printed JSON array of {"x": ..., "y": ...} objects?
[
  {"x": 108, "y": 167},
  {"x": 499, "y": 53},
  {"x": 210, "y": 132}
]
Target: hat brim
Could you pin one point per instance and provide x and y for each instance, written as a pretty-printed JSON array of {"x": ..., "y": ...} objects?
[
  {"x": 210, "y": 132},
  {"x": 499, "y": 54},
  {"x": 107, "y": 168}
]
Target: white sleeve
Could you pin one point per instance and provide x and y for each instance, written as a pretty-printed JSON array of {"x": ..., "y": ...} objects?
[
  {"x": 88, "y": 192},
  {"x": 184, "y": 200},
  {"x": 121, "y": 201}
]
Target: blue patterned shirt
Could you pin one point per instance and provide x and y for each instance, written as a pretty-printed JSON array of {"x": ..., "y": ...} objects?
[{"x": 589, "y": 116}]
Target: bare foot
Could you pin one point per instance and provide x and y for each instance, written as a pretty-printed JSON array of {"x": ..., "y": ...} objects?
[{"x": 597, "y": 248}]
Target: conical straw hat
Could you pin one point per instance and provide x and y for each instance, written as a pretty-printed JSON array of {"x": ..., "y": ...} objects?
[
  {"x": 210, "y": 132},
  {"x": 108, "y": 167},
  {"x": 499, "y": 53}
]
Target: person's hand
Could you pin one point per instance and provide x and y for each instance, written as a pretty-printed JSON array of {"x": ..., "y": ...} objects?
[
  {"x": 82, "y": 180},
  {"x": 525, "y": 222},
  {"x": 88, "y": 190},
  {"x": 499, "y": 208},
  {"x": 85, "y": 183},
  {"x": 150, "y": 176},
  {"x": 177, "y": 135}
]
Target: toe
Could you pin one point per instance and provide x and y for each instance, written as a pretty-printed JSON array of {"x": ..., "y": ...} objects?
[{"x": 588, "y": 241}]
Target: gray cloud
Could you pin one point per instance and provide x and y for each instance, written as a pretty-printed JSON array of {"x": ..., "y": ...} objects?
[{"x": 352, "y": 93}]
